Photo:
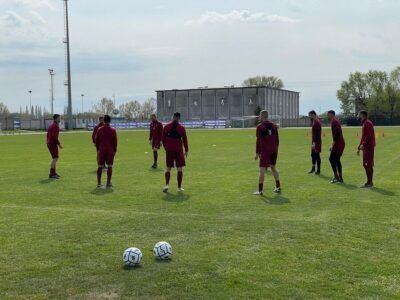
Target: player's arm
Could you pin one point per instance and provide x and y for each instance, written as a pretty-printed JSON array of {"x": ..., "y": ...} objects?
[
  {"x": 335, "y": 135},
  {"x": 258, "y": 144},
  {"x": 164, "y": 136},
  {"x": 151, "y": 134},
  {"x": 115, "y": 142},
  {"x": 277, "y": 137},
  {"x": 97, "y": 140},
  {"x": 56, "y": 134},
  {"x": 185, "y": 142}
]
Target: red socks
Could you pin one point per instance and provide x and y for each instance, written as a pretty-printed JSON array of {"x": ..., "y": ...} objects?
[
  {"x": 109, "y": 174},
  {"x": 180, "y": 177},
  {"x": 99, "y": 172},
  {"x": 167, "y": 177}
]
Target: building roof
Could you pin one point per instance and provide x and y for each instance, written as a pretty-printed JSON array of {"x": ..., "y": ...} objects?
[{"x": 225, "y": 88}]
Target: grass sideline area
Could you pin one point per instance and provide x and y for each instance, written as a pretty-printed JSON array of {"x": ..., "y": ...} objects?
[{"x": 65, "y": 239}]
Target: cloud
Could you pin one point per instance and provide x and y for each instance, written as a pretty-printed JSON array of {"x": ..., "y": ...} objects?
[
  {"x": 22, "y": 29},
  {"x": 243, "y": 16},
  {"x": 35, "y": 3}
]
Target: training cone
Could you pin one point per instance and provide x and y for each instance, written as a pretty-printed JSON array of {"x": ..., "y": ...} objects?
[
  {"x": 323, "y": 134},
  {"x": 357, "y": 134},
  {"x": 383, "y": 134}
]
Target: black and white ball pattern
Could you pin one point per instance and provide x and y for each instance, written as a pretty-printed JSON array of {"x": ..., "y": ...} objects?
[
  {"x": 162, "y": 251},
  {"x": 132, "y": 257}
]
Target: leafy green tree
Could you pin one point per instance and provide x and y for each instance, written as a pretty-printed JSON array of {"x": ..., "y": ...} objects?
[{"x": 269, "y": 81}]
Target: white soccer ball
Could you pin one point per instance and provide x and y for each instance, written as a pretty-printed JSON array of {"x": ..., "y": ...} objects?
[
  {"x": 132, "y": 257},
  {"x": 162, "y": 251}
]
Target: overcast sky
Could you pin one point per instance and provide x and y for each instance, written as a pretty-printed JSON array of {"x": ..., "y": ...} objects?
[{"x": 131, "y": 48}]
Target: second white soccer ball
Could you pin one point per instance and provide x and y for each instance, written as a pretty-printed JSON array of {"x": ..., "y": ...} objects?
[{"x": 162, "y": 251}]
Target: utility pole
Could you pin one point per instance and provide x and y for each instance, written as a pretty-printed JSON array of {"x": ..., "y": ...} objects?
[
  {"x": 51, "y": 72},
  {"x": 70, "y": 125}
]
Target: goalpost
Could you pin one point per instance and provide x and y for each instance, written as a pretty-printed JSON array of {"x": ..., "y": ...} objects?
[{"x": 277, "y": 119}]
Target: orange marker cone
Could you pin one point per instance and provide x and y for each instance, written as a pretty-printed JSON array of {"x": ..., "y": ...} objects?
[
  {"x": 323, "y": 134},
  {"x": 356, "y": 134},
  {"x": 383, "y": 134}
]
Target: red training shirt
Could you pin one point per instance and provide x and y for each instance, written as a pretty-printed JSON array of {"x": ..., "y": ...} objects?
[
  {"x": 156, "y": 131},
  {"x": 316, "y": 134},
  {"x": 368, "y": 135},
  {"x": 52, "y": 134},
  {"x": 267, "y": 138},
  {"x": 337, "y": 135},
  {"x": 174, "y": 137},
  {"x": 96, "y": 128},
  {"x": 106, "y": 139}
]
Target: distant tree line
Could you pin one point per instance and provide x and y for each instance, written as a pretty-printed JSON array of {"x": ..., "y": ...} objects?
[
  {"x": 376, "y": 91},
  {"x": 131, "y": 110}
]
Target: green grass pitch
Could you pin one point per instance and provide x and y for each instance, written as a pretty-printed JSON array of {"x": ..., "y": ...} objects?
[{"x": 65, "y": 239}]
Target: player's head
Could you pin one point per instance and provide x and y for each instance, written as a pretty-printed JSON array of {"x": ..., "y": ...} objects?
[
  {"x": 57, "y": 118},
  {"x": 107, "y": 119},
  {"x": 101, "y": 119},
  {"x": 263, "y": 115},
  {"x": 153, "y": 117},
  {"x": 312, "y": 115},
  {"x": 331, "y": 115},
  {"x": 177, "y": 116},
  {"x": 363, "y": 114}
]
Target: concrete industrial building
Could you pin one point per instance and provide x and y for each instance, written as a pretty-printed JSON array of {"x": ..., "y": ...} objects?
[{"x": 226, "y": 103}]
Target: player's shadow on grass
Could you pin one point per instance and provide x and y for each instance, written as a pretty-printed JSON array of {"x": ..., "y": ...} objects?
[
  {"x": 102, "y": 191},
  {"x": 383, "y": 192},
  {"x": 276, "y": 200},
  {"x": 46, "y": 181},
  {"x": 322, "y": 176},
  {"x": 180, "y": 197},
  {"x": 348, "y": 186},
  {"x": 157, "y": 170}
]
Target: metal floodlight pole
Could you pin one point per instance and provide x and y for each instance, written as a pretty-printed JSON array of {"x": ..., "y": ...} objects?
[
  {"x": 68, "y": 66},
  {"x": 51, "y": 72},
  {"x": 82, "y": 95},
  {"x": 30, "y": 100}
]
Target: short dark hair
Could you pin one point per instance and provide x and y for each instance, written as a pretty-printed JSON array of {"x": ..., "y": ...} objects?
[
  {"x": 332, "y": 112},
  {"x": 364, "y": 113},
  {"x": 177, "y": 115},
  {"x": 312, "y": 113},
  {"x": 107, "y": 119},
  {"x": 55, "y": 116}
]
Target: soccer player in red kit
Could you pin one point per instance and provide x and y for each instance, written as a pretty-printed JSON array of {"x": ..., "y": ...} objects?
[
  {"x": 367, "y": 146},
  {"x": 267, "y": 151},
  {"x": 174, "y": 140},
  {"x": 156, "y": 130},
  {"x": 316, "y": 145},
  {"x": 337, "y": 148},
  {"x": 95, "y": 129},
  {"x": 106, "y": 143},
  {"x": 53, "y": 144}
]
